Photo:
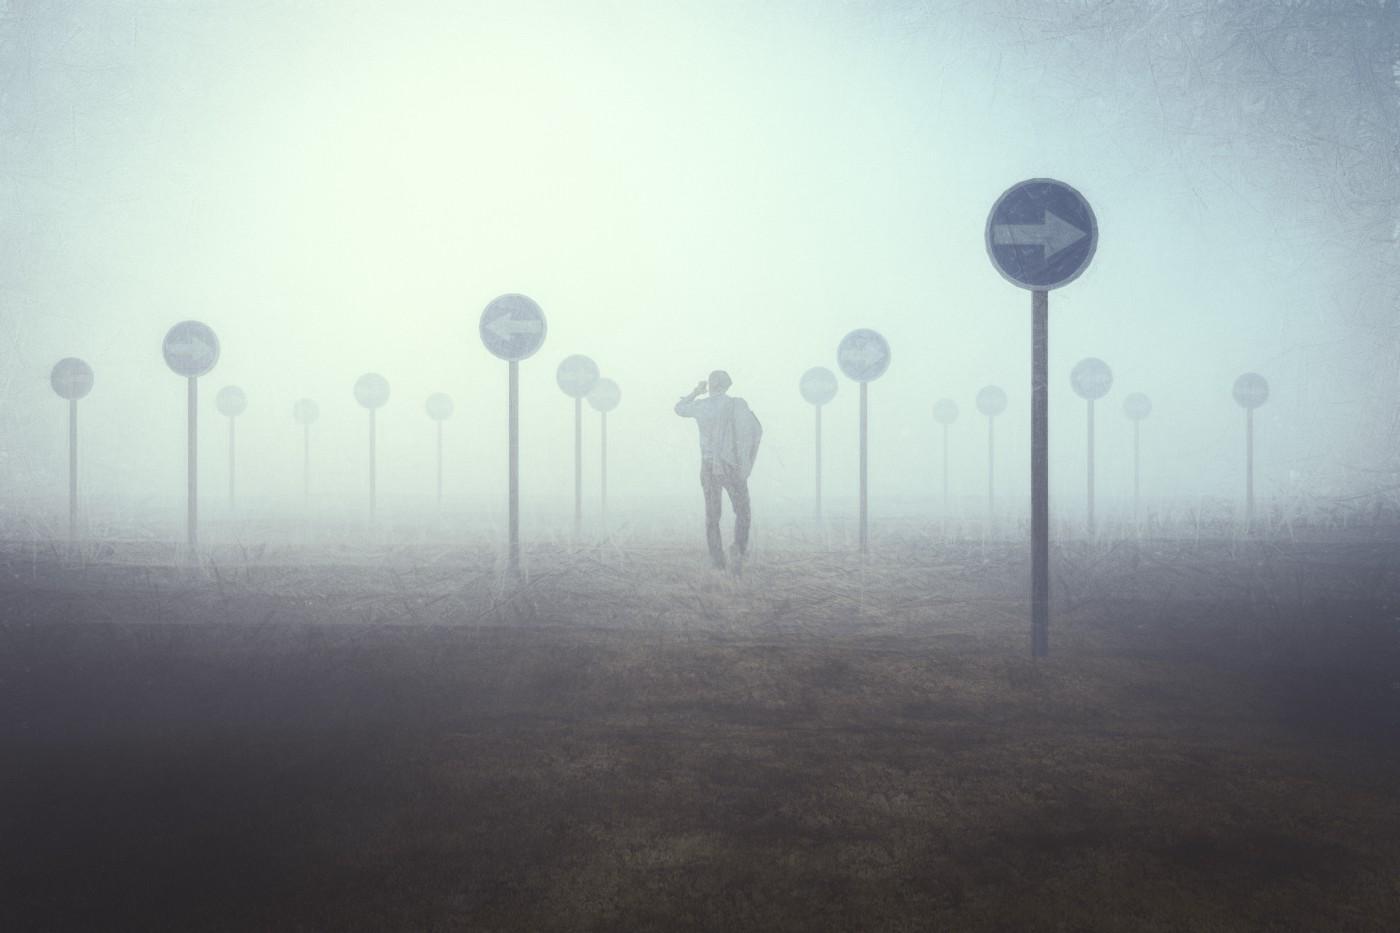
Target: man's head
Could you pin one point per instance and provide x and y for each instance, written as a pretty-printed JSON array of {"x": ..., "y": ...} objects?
[{"x": 720, "y": 382}]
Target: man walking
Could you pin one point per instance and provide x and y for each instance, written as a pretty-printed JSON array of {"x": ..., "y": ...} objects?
[{"x": 729, "y": 437}]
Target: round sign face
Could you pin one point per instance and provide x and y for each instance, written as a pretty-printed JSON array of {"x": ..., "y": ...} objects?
[
  {"x": 1041, "y": 234},
  {"x": 818, "y": 385},
  {"x": 439, "y": 406},
  {"x": 305, "y": 411},
  {"x": 1091, "y": 378},
  {"x": 991, "y": 401},
  {"x": 1137, "y": 406},
  {"x": 231, "y": 401},
  {"x": 71, "y": 378},
  {"x": 371, "y": 390},
  {"x": 945, "y": 411},
  {"x": 605, "y": 395},
  {"x": 863, "y": 355},
  {"x": 1251, "y": 390},
  {"x": 190, "y": 348},
  {"x": 512, "y": 327},
  {"x": 576, "y": 375}
]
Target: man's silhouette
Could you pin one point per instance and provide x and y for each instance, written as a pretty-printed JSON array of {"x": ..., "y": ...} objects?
[{"x": 729, "y": 437}]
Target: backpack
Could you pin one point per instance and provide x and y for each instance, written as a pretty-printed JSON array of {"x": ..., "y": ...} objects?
[{"x": 745, "y": 433}]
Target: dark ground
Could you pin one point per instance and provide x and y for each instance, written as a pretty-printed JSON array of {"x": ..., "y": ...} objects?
[{"x": 634, "y": 743}]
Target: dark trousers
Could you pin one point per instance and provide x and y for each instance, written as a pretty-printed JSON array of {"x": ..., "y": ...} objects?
[{"x": 714, "y": 478}]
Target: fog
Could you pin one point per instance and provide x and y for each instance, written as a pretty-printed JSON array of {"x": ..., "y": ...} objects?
[{"x": 338, "y": 188}]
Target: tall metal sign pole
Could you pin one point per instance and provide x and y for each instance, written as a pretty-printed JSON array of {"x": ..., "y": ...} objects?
[
  {"x": 818, "y": 387},
  {"x": 1251, "y": 390},
  {"x": 1091, "y": 379},
  {"x": 72, "y": 379},
  {"x": 1137, "y": 407},
  {"x": 605, "y": 396},
  {"x": 863, "y": 356},
  {"x": 1041, "y": 234},
  {"x": 945, "y": 412},
  {"x": 305, "y": 412},
  {"x": 372, "y": 392},
  {"x": 439, "y": 408},
  {"x": 991, "y": 401},
  {"x": 577, "y": 375},
  {"x": 231, "y": 402},
  {"x": 191, "y": 350},
  {"x": 512, "y": 328}
]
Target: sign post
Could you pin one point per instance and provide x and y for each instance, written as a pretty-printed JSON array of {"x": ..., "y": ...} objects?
[
  {"x": 1251, "y": 390},
  {"x": 991, "y": 401},
  {"x": 863, "y": 356},
  {"x": 305, "y": 412},
  {"x": 577, "y": 375},
  {"x": 1041, "y": 234},
  {"x": 439, "y": 408},
  {"x": 945, "y": 412},
  {"x": 231, "y": 402},
  {"x": 512, "y": 328},
  {"x": 72, "y": 379},
  {"x": 372, "y": 391},
  {"x": 1091, "y": 379},
  {"x": 818, "y": 387},
  {"x": 191, "y": 349},
  {"x": 1137, "y": 407},
  {"x": 604, "y": 397}
]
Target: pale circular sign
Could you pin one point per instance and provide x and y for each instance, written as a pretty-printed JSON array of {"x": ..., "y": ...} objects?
[
  {"x": 818, "y": 385},
  {"x": 1091, "y": 378},
  {"x": 605, "y": 395},
  {"x": 190, "y": 348},
  {"x": 231, "y": 401},
  {"x": 512, "y": 327},
  {"x": 371, "y": 390},
  {"x": 945, "y": 411},
  {"x": 1137, "y": 406},
  {"x": 306, "y": 411},
  {"x": 71, "y": 378},
  {"x": 991, "y": 401},
  {"x": 863, "y": 355},
  {"x": 576, "y": 375},
  {"x": 439, "y": 406},
  {"x": 1251, "y": 390}
]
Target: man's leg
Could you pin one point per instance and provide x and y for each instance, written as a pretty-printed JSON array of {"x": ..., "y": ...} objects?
[
  {"x": 739, "y": 498},
  {"x": 711, "y": 485}
]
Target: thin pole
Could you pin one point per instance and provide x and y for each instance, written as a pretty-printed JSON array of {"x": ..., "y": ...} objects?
[
  {"x": 513, "y": 432},
  {"x": 604, "y": 469},
  {"x": 991, "y": 469},
  {"x": 306, "y": 466},
  {"x": 1249, "y": 468},
  {"x": 72, "y": 469},
  {"x": 578, "y": 467},
  {"x": 1137, "y": 473},
  {"x": 230, "y": 462},
  {"x": 864, "y": 467},
  {"x": 1040, "y": 474},
  {"x": 192, "y": 464},
  {"x": 818, "y": 410},
  {"x": 945, "y": 472},
  {"x": 1091, "y": 467},
  {"x": 439, "y": 466},
  {"x": 371, "y": 465}
]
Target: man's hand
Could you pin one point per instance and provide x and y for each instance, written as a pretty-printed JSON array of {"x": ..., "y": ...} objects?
[{"x": 697, "y": 391}]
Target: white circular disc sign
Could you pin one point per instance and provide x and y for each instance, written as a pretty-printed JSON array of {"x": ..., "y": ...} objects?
[
  {"x": 605, "y": 395},
  {"x": 863, "y": 355},
  {"x": 231, "y": 401},
  {"x": 818, "y": 385},
  {"x": 512, "y": 327},
  {"x": 945, "y": 411},
  {"x": 371, "y": 390},
  {"x": 439, "y": 406},
  {"x": 576, "y": 375},
  {"x": 1137, "y": 406},
  {"x": 1091, "y": 378},
  {"x": 1251, "y": 390},
  {"x": 190, "y": 348},
  {"x": 71, "y": 378},
  {"x": 305, "y": 411},
  {"x": 1041, "y": 234},
  {"x": 991, "y": 401}
]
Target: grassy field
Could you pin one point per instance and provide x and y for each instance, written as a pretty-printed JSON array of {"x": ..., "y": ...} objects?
[{"x": 395, "y": 739}]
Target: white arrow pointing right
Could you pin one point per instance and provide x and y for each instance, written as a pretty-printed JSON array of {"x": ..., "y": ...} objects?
[
  {"x": 1054, "y": 235},
  {"x": 506, "y": 327}
]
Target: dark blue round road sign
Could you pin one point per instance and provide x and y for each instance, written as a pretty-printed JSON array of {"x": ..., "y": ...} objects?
[
  {"x": 863, "y": 355},
  {"x": 190, "y": 348},
  {"x": 71, "y": 378},
  {"x": 231, "y": 401},
  {"x": 605, "y": 395},
  {"x": 512, "y": 327},
  {"x": 1251, "y": 390},
  {"x": 818, "y": 385},
  {"x": 1041, "y": 234}
]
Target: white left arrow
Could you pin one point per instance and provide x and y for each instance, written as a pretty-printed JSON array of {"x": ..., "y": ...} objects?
[
  {"x": 506, "y": 327},
  {"x": 1054, "y": 235},
  {"x": 192, "y": 349},
  {"x": 867, "y": 354}
]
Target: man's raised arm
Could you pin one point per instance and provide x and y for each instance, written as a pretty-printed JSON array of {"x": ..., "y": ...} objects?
[{"x": 686, "y": 406}]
